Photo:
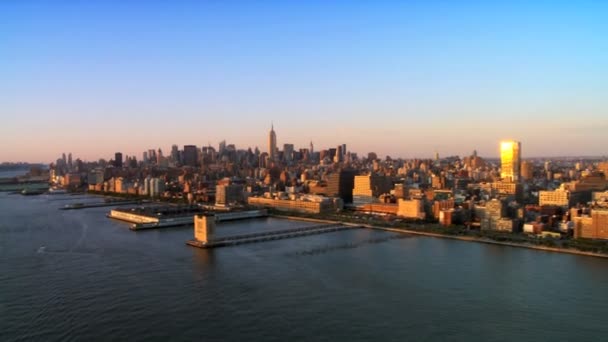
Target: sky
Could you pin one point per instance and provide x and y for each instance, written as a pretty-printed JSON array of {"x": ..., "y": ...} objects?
[{"x": 402, "y": 78}]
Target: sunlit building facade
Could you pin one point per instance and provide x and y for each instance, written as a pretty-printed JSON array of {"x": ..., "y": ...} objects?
[{"x": 510, "y": 160}]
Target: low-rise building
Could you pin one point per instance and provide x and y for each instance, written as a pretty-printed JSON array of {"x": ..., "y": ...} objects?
[
  {"x": 303, "y": 205},
  {"x": 228, "y": 194},
  {"x": 559, "y": 197},
  {"x": 367, "y": 188},
  {"x": 594, "y": 226},
  {"x": 411, "y": 208}
]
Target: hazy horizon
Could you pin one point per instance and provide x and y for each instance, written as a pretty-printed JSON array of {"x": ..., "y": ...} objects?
[{"x": 405, "y": 80}]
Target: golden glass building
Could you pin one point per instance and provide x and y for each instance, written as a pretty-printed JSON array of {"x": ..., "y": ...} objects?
[{"x": 510, "y": 160}]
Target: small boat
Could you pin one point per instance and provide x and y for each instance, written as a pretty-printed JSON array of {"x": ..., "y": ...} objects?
[
  {"x": 30, "y": 192},
  {"x": 57, "y": 191}
]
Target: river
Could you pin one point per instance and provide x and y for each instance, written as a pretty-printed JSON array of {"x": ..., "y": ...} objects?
[{"x": 77, "y": 275}]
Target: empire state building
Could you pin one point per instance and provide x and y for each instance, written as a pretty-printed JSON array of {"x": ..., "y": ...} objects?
[{"x": 272, "y": 144}]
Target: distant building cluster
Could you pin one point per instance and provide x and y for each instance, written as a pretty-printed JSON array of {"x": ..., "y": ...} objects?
[{"x": 559, "y": 197}]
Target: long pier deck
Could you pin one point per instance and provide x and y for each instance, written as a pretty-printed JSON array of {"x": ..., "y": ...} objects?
[
  {"x": 76, "y": 206},
  {"x": 185, "y": 220},
  {"x": 268, "y": 236}
]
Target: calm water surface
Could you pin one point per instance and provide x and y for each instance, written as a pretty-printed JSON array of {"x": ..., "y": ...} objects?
[{"x": 76, "y": 275}]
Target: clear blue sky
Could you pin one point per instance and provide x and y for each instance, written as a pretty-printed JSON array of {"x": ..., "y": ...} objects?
[{"x": 399, "y": 78}]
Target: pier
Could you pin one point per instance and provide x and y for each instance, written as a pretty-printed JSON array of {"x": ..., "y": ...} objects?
[
  {"x": 204, "y": 232},
  {"x": 163, "y": 223},
  {"x": 75, "y": 206},
  {"x": 189, "y": 220},
  {"x": 165, "y": 217}
]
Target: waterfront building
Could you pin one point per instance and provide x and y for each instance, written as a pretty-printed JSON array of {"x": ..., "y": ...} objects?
[
  {"x": 594, "y": 226},
  {"x": 147, "y": 186},
  {"x": 491, "y": 214},
  {"x": 157, "y": 187},
  {"x": 400, "y": 191},
  {"x": 442, "y": 205},
  {"x": 367, "y": 188},
  {"x": 378, "y": 208},
  {"x": 227, "y": 194},
  {"x": 95, "y": 177},
  {"x": 72, "y": 180},
  {"x": 341, "y": 184},
  {"x": 413, "y": 208},
  {"x": 600, "y": 222},
  {"x": 510, "y": 160},
  {"x": 505, "y": 224},
  {"x": 308, "y": 204},
  {"x": 583, "y": 227},
  {"x": 119, "y": 185}
]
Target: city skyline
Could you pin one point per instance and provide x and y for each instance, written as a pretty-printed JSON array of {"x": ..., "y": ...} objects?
[
  {"x": 500, "y": 156},
  {"x": 263, "y": 148},
  {"x": 404, "y": 80},
  {"x": 303, "y": 170}
]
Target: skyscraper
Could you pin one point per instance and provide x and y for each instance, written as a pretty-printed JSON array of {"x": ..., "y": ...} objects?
[
  {"x": 341, "y": 184},
  {"x": 510, "y": 160},
  {"x": 175, "y": 153},
  {"x": 117, "y": 159},
  {"x": 338, "y": 157},
  {"x": 288, "y": 152},
  {"x": 190, "y": 155},
  {"x": 272, "y": 144}
]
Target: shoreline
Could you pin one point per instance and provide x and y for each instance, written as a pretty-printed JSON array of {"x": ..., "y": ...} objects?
[{"x": 452, "y": 237}]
